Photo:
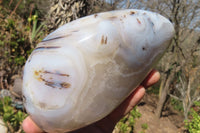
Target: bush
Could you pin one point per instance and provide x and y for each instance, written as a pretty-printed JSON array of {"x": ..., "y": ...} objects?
[
  {"x": 144, "y": 126},
  {"x": 126, "y": 124},
  {"x": 18, "y": 38},
  {"x": 20, "y": 7},
  {"x": 12, "y": 118},
  {"x": 193, "y": 125},
  {"x": 177, "y": 104}
]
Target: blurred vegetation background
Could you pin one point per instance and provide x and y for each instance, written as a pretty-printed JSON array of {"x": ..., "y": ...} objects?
[{"x": 24, "y": 23}]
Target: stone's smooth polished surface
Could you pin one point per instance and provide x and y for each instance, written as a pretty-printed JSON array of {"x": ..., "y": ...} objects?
[
  {"x": 3, "y": 128},
  {"x": 82, "y": 71}
]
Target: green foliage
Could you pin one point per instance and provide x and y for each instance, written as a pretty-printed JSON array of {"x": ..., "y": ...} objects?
[
  {"x": 144, "y": 126},
  {"x": 193, "y": 125},
  {"x": 177, "y": 105},
  {"x": 154, "y": 89},
  {"x": 127, "y": 123},
  {"x": 141, "y": 132},
  {"x": 197, "y": 103},
  {"x": 10, "y": 115}
]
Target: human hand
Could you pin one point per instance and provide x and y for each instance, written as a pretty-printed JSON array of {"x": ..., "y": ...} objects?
[{"x": 107, "y": 124}]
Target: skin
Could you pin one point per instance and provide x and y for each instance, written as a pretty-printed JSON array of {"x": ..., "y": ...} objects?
[{"x": 107, "y": 124}]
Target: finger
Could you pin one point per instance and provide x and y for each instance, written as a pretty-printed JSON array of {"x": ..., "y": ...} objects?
[
  {"x": 138, "y": 94},
  {"x": 128, "y": 104},
  {"x": 152, "y": 78},
  {"x": 30, "y": 127},
  {"x": 134, "y": 98}
]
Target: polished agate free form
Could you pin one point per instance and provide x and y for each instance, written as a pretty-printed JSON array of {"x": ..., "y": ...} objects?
[{"x": 83, "y": 70}]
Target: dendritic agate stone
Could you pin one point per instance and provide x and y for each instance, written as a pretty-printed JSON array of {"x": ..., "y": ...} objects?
[{"x": 82, "y": 71}]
